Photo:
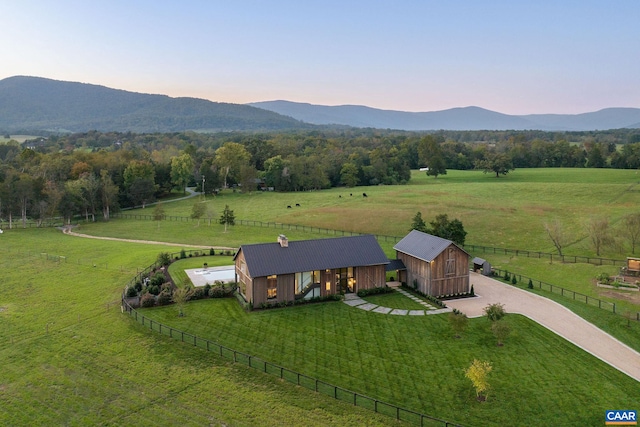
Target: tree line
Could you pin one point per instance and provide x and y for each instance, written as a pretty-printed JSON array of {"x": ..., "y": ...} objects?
[{"x": 95, "y": 173}]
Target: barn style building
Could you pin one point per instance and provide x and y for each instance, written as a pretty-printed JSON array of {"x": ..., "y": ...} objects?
[
  {"x": 284, "y": 271},
  {"x": 435, "y": 266}
]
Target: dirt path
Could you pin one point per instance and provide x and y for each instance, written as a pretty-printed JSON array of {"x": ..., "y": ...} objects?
[
  {"x": 68, "y": 231},
  {"x": 554, "y": 317}
]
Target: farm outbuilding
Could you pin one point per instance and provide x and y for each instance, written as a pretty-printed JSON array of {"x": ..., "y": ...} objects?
[
  {"x": 482, "y": 266},
  {"x": 435, "y": 266}
]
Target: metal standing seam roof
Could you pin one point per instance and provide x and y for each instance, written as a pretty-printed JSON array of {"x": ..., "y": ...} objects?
[
  {"x": 265, "y": 259},
  {"x": 422, "y": 245}
]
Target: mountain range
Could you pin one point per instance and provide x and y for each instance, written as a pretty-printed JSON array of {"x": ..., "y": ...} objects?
[
  {"x": 32, "y": 104},
  {"x": 467, "y": 118},
  {"x": 39, "y": 104}
]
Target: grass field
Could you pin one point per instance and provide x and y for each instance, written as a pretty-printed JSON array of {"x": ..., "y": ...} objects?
[
  {"x": 70, "y": 357},
  {"x": 416, "y": 363},
  {"x": 503, "y": 212}
]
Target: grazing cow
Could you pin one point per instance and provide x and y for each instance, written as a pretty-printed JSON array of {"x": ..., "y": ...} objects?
[
  {"x": 350, "y": 194},
  {"x": 340, "y": 196},
  {"x": 297, "y": 204},
  {"x": 289, "y": 207},
  {"x": 364, "y": 195}
]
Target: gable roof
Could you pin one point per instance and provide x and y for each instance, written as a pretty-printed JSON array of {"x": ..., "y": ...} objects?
[
  {"x": 265, "y": 259},
  {"x": 423, "y": 246}
]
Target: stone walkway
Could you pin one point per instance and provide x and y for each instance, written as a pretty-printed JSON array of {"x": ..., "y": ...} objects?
[
  {"x": 354, "y": 300},
  {"x": 552, "y": 316}
]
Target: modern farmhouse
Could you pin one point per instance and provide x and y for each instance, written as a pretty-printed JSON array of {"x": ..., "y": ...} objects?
[
  {"x": 284, "y": 271},
  {"x": 435, "y": 266}
]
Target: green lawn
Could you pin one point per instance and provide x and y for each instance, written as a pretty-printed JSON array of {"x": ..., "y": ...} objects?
[
  {"x": 70, "y": 357},
  {"x": 414, "y": 361}
]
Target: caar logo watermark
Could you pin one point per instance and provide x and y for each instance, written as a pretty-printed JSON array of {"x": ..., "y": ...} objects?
[{"x": 621, "y": 418}]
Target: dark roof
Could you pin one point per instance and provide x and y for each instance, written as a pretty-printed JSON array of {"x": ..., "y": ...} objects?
[
  {"x": 265, "y": 259},
  {"x": 395, "y": 264},
  {"x": 478, "y": 260},
  {"x": 423, "y": 246}
]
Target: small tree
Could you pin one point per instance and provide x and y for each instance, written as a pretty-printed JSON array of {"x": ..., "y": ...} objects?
[
  {"x": 514, "y": 281},
  {"x": 458, "y": 322},
  {"x": 501, "y": 331},
  {"x": 198, "y": 210},
  {"x": 557, "y": 235},
  {"x": 478, "y": 373},
  {"x": 180, "y": 298},
  {"x": 158, "y": 213},
  {"x": 227, "y": 217},
  {"x": 530, "y": 285},
  {"x": 494, "y": 312}
]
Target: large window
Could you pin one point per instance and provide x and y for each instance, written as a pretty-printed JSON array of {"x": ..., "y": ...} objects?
[
  {"x": 272, "y": 287},
  {"x": 307, "y": 283}
]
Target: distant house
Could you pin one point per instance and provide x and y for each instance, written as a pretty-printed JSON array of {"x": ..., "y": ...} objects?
[
  {"x": 435, "y": 266},
  {"x": 286, "y": 271}
]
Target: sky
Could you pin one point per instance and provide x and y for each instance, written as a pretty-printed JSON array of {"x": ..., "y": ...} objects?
[{"x": 515, "y": 56}]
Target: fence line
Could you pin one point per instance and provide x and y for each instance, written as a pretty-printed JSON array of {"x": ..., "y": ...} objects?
[
  {"x": 386, "y": 238},
  {"x": 283, "y": 373},
  {"x": 555, "y": 289}
]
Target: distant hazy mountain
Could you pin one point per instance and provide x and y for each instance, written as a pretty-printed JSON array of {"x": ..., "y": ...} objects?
[
  {"x": 468, "y": 118},
  {"x": 33, "y": 103}
]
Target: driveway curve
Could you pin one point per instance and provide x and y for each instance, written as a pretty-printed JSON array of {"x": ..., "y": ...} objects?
[{"x": 552, "y": 316}]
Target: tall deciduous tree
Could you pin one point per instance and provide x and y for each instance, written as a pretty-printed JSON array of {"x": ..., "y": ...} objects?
[
  {"x": 599, "y": 233},
  {"x": 430, "y": 155},
  {"x": 230, "y": 158},
  {"x": 182, "y": 168},
  {"x": 556, "y": 233},
  {"x": 349, "y": 174},
  {"x": 108, "y": 193},
  {"x": 158, "y": 213},
  {"x": 498, "y": 163},
  {"x": 631, "y": 226}
]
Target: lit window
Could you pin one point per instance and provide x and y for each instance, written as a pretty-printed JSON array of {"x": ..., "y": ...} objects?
[{"x": 272, "y": 286}]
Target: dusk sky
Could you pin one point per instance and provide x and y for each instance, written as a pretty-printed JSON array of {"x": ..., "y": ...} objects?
[{"x": 515, "y": 57}]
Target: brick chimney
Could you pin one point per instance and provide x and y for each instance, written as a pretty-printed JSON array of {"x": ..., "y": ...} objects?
[{"x": 284, "y": 242}]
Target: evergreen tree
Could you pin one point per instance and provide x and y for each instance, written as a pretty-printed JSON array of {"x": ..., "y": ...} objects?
[{"x": 227, "y": 217}]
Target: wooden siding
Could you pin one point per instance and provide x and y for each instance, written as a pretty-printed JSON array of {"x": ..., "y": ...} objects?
[
  {"x": 433, "y": 278},
  {"x": 286, "y": 288},
  {"x": 244, "y": 276},
  {"x": 259, "y": 291},
  {"x": 369, "y": 277}
]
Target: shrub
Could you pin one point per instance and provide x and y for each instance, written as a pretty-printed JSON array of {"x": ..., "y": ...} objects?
[
  {"x": 147, "y": 300},
  {"x": 494, "y": 312},
  {"x": 157, "y": 279},
  {"x": 212, "y": 252},
  {"x": 131, "y": 292},
  {"x": 513, "y": 280},
  {"x": 472, "y": 292},
  {"x": 530, "y": 285},
  {"x": 207, "y": 289},
  {"x": 604, "y": 278},
  {"x": 183, "y": 254},
  {"x": 164, "y": 298},
  {"x": 198, "y": 293},
  {"x": 138, "y": 286},
  {"x": 153, "y": 290},
  {"x": 164, "y": 258}
]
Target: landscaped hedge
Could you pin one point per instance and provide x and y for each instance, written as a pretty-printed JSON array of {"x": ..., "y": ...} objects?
[
  {"x": 375, "y": 291},
  {"x": 267, "y": 305}
]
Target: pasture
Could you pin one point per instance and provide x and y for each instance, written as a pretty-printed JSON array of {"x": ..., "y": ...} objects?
[{"x": 70, "y": 357}]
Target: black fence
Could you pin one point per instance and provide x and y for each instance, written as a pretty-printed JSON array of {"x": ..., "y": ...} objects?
[
  {"x": 555, "y": 289},
  {"x": 552, "y": 257},
  {"x": 283, "y": 373}
]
